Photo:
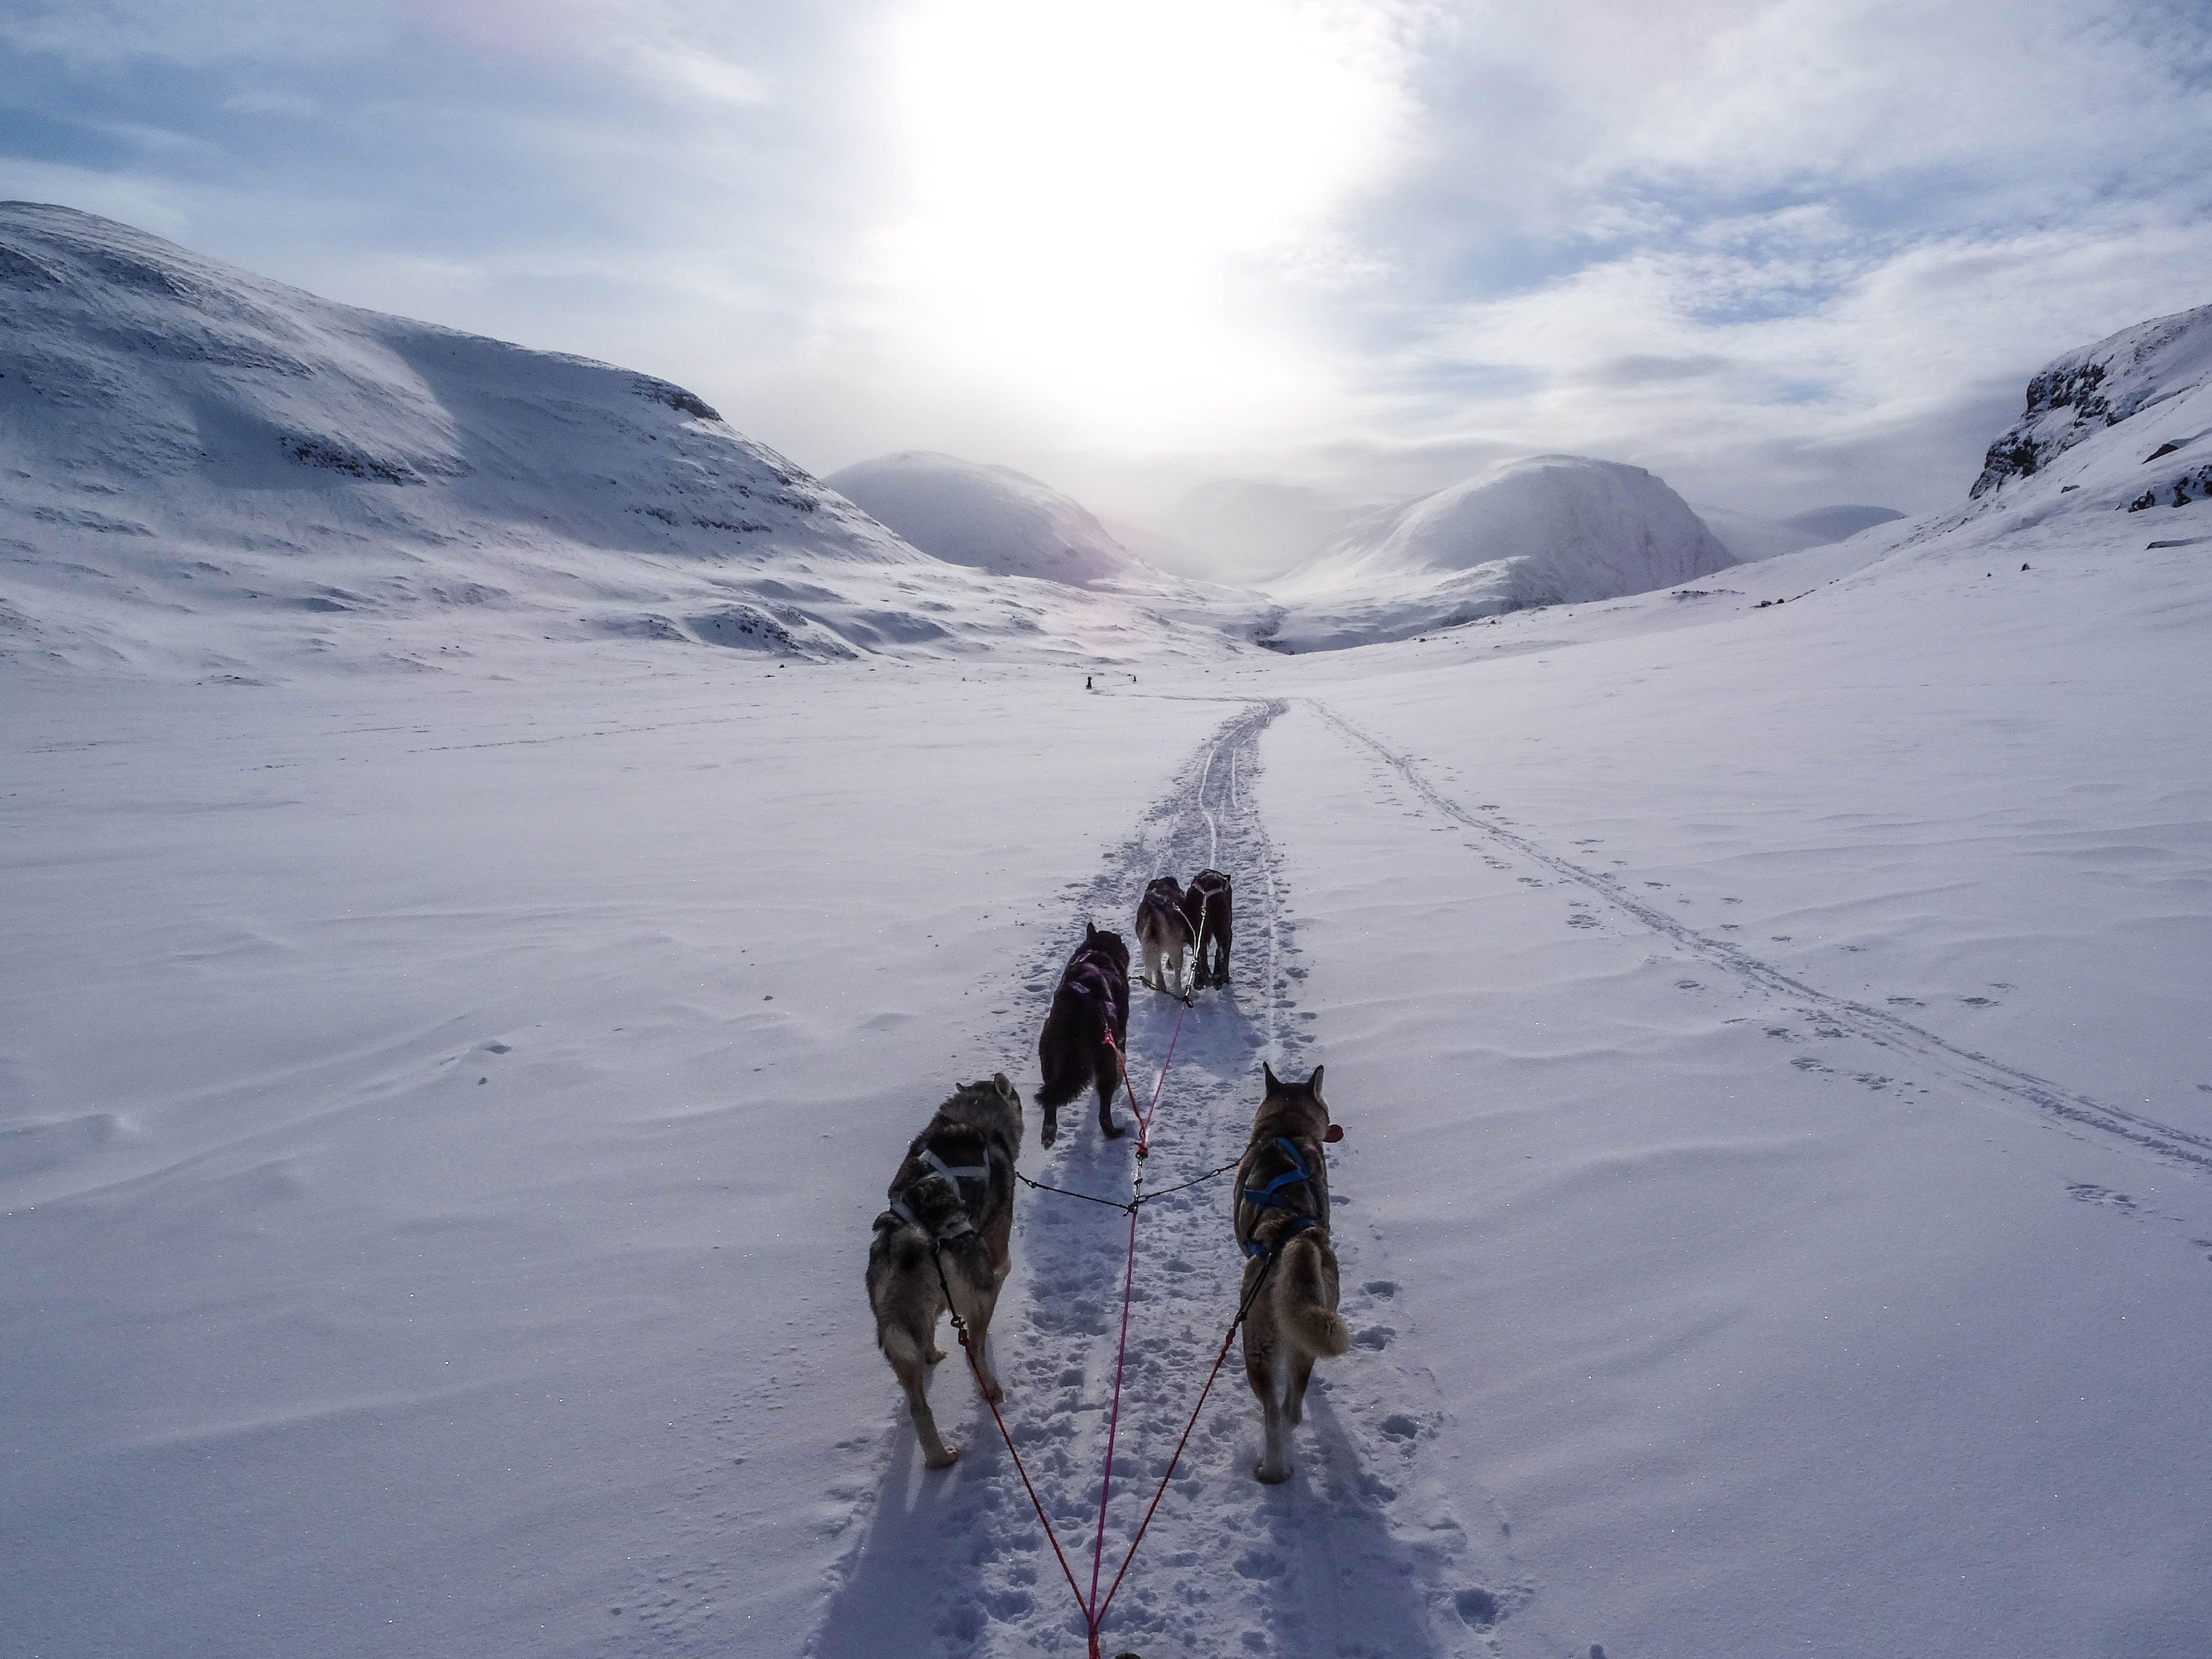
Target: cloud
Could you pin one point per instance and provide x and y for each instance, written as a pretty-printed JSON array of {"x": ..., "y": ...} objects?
[{"x": 1785, "y": 253}]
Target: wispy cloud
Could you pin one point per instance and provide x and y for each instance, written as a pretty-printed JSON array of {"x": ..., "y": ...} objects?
[{"x": 1785, "y": 252}]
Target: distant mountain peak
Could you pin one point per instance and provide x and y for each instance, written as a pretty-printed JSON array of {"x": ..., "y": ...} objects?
[{"x": 992, "y": 518}]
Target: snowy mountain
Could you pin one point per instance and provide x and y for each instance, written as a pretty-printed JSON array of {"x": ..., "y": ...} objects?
[
  {"x": 1836, "y": 523},
  {"x": 1545, "y": 530},
  {"x": 1751, "y": 537},
  {"x": 205, "y": 471},
  {"x": 1250, "y": 529},
  {"x": 2153, "y": 378},
  {"x": 990, "y": 517}
]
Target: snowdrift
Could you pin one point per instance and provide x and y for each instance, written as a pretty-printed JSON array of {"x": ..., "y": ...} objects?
[
  {"x": 990, "y": 517},
  {"x": 201, "y": 470},
  {"x": 1547, "y": 530}
]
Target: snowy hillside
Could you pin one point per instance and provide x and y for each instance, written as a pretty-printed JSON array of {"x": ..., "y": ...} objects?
[
  {"x": 2152, "y": 374},
  {"x": 991, "y": 517},
  {"x": 203, "y": 471},
  {"x": 1547, "y": 530}
]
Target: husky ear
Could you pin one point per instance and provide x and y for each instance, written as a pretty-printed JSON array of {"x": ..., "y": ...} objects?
[
  {"x": 1313, "y": 1083},
  {"x": 1268, "y": 1073},
  {"x": 1090, "y": 932}
]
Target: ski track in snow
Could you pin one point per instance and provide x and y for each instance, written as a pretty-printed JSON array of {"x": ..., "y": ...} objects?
[
  {"x": 1979, "y": 1073},
  {"x": 1360, "y": 1555}
]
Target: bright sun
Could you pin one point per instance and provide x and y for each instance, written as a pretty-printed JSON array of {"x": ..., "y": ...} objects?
[{"x": 1094, "y": 190}]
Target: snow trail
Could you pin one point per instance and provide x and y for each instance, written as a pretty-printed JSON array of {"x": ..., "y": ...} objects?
[
  {"x": 1981, "y": 1074},
  {"x": 1358, "y": 1555}
]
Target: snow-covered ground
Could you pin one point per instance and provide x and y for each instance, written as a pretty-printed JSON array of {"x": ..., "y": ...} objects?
[
  {"x": 445, "y": 1118},
  {"x": 441, "y": 1112}
]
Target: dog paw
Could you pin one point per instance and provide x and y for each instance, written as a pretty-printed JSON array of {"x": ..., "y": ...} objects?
[
  {"x": 933, "y": 1355},
  {"x": 1048, "y": 1133},
  {"x": 1270, "y": 1477},
  {"x": 931, "y": 1460},
  {"x": 992, "y": 1392},
  {"x": 1112, "y": 1131}
]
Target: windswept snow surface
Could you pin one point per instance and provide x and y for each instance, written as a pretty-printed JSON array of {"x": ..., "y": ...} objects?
[
  {"x": 1547, "y": 530},
  {"x": 440, "y": 1118},
  {"x": 443, "y": 1124},
  {"x": 202, "y": 472}
]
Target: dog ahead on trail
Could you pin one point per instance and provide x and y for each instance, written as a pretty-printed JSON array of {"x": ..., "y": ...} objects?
[
  {"x": 1084, "y": 1030},
  {"x": 1163, "y": 933},
  {"x": 954, "y": 1197},
  {"x": 1281, "y": 1218},
  {"x": 1206, "y": 906}
]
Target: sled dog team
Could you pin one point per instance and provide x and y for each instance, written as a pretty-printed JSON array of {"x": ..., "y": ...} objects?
[{"x": 945, "y": 1238}]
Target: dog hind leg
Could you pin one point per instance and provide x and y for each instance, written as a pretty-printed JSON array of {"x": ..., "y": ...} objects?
[
  {"x": 1261, "y": 1358},
  {"x": 907, "y": 1365},
  {"x": 1108, "y": 1079},
  {"x": 1294, "y": 1398}
]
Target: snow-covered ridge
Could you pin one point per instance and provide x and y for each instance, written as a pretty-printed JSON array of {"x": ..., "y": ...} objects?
[
  {"x": 1545, "y": 530},
  {"x": 2163, "y": 362},
  {"x": 203, "y": 469},
  {"x": 992, "y": 518}
]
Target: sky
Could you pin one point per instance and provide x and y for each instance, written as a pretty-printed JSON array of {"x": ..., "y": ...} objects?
[{"x": 1785, "y": 254}]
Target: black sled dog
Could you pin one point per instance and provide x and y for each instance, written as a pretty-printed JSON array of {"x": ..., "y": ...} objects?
[
  {"x": 1281, "y": 1218},
  {"x": 1084, "y": 1033},
  {"x": 952, "y": 1198},
  {"x": 1206, "y": 906},
  {"x": 1164, "y": 934}
]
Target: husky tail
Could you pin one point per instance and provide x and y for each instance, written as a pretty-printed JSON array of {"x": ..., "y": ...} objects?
[{"x": 1306, "y": 1298}]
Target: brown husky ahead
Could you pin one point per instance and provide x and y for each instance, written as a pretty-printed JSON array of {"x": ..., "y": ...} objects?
[
  {"x": 1164, "y": 934},
  {"x": 1206, "y": 903},
  {"x": 1281, "y": 1217},
  {"x": 955, "y": 1192}
]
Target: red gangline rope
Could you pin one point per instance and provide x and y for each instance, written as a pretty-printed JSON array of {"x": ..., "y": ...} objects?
[
  {"x": 1092, "y": 1610},
  {"x": 1128, "y": 1290},
  {"x": 1211, "y": 1376},
  {"x": 975, "y": 1370}
]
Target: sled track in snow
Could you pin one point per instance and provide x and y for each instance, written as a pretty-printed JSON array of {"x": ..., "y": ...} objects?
[
  {"x": 1358, "y": 1553},
  {"x": 1978, "y": 1072}
]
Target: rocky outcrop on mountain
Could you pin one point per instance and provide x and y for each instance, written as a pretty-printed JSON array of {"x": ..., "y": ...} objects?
[{"x": 2099, "y": 386}]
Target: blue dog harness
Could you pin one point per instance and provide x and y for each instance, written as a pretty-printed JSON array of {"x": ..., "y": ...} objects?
[
  {"x": 940, "y": 1170},
  {"x": 1271, "y": 1197}
]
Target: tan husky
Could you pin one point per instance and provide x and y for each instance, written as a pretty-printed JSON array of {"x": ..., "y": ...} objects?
[
  {"x": 953, "y": 1200},
  {"x": 1281, "y": 1218}
]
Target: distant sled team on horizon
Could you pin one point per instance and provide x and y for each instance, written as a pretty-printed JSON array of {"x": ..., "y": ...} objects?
[{"x": 943, "y": 1244}]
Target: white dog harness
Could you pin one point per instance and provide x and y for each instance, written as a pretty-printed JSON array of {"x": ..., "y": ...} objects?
[{"x": 940, "y": 1170}]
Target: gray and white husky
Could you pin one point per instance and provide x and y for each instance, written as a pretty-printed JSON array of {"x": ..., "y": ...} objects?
[
  {"x": 1280, "y": 1212},
  {"x": 952, "y": 1199},
  {"x": 1164, "y": 934}
]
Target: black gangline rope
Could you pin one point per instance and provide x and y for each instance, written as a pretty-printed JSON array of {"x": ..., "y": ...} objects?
[{"x": 1131, "y": 1206}]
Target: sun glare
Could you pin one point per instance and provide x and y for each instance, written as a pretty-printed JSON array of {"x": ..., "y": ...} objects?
[{"x": 1095, "y": 191}]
